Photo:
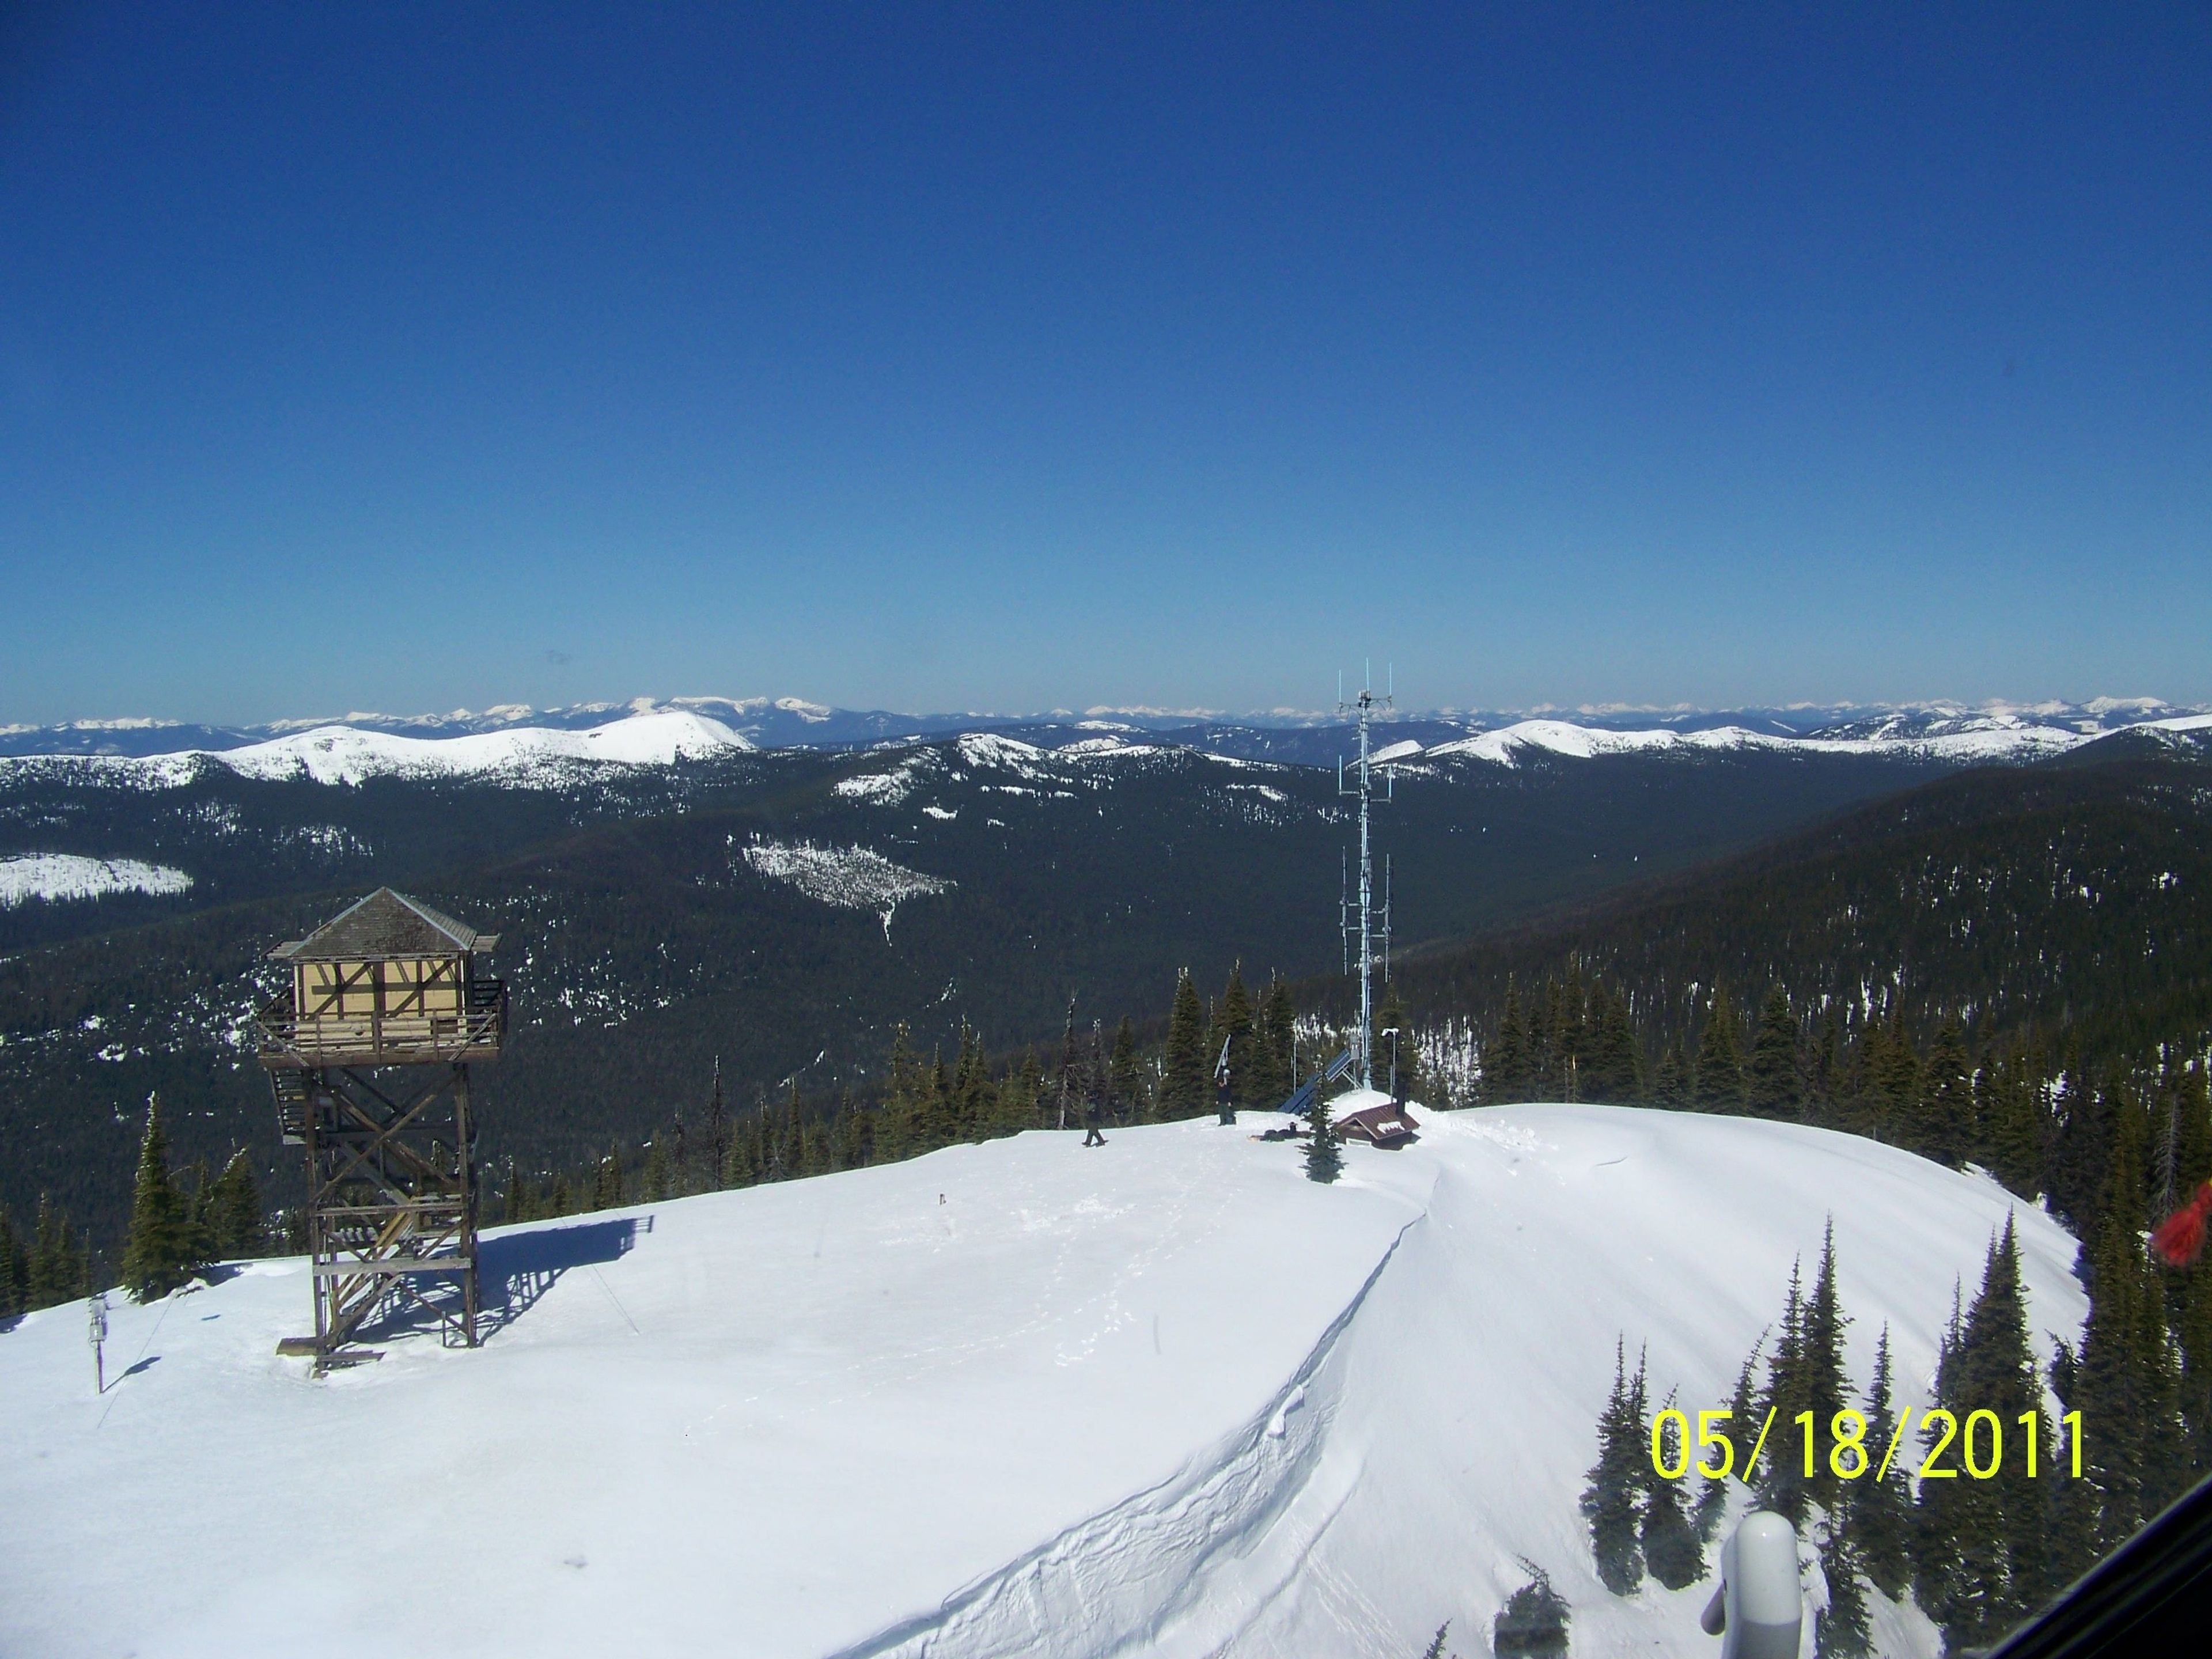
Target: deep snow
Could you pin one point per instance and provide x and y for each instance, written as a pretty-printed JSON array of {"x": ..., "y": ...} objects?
[{"x": 1167, "y": 1396}]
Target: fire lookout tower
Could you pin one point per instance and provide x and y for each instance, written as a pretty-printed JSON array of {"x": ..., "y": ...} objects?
[{"x": 368, "y": 1052}]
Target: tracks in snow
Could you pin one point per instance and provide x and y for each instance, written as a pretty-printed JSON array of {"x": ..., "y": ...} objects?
[{"x": 1117, "y": 1583}]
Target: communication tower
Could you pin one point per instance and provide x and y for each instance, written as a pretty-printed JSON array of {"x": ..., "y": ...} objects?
[
  {"x": 368, "y": 1051},
  {"x": 1371, "y": 927}
]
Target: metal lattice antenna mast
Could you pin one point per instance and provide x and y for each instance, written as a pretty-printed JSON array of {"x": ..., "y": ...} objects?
[{"x": 1363, "y": 1053}]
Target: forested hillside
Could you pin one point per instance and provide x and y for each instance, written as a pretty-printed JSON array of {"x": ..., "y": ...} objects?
[{"x": 653, "y": 920}]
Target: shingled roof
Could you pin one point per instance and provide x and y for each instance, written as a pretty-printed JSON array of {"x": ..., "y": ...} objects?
[{"x": 385, "y": 924}]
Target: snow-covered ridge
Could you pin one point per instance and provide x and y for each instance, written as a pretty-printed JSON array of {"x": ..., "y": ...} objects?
[
  {"x": 1164, "y": 1397},
  {"x": 54, "y": 876},
  {"x": 524, "y": 756},
  {"x": 1965, "y": 741}
]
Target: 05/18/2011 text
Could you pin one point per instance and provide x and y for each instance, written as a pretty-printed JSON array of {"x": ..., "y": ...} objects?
[{"x": 1979, "y": 1445}]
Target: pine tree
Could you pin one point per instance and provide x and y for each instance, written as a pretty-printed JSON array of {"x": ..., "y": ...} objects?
[
  {"x": 718, "y": 1121},
  {"x": 1772, "y": 1088},
  {"x": 1124, "y": 1084},
  {"x": 1842, "y": 1629},
  {"x": 1233, "y": 1025},
  {"x": 658, "y": 1177},
  {"x": 1276, "y": 1027},
  {"x": 236, "y": 1222},
  {"x": 2012, "y": 1118},
  {"x": 1534, "y": 1622},
  {"x": 1672, "y": 1549},
  {"x": 1719, "y": 1086},
  {"x": 1611, "y": 1074},
  {"x": 1436, "y": 1647},
  {"x": 159, "y": 1256},
  {"x": 607, "y": 1182},
  {"x": 1825, "y": 1387},
  {"x": 1505, "y": 1061},
  {"x": 1944, "y": 1128},
  {"x": 1609, "y": 1501},
  {"x": 1879, "y": 1514},
  {"x": 14, "y": 1269},
  {"x": 1782, "y": 1487},
  {"x": 1670, "y": 1081},
  {"x": 1988, "y": 1568},
  {"x": 1402, "y": 1054},
  {"x": 1184, "y": 1085},
  {"x": 59, "y": 1269},
  {"x": 1324, "y": 1146},
  {"x": 1893, "y": 1077}
]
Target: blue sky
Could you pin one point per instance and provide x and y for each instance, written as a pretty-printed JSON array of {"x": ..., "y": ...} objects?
[{"x": 1005, "y": 357}]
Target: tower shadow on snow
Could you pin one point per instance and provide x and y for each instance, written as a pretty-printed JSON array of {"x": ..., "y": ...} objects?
[{"x": 513, "y": 1273}]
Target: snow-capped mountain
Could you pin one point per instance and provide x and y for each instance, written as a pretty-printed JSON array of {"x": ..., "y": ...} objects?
[{"x": 1167, "y": 1396}]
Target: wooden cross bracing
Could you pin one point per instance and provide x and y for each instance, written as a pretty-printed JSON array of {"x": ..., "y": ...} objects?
[{"x": 390, "y": 1180}]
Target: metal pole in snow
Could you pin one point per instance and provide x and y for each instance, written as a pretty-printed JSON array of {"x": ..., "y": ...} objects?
[{"x": 96, "y": 1309}]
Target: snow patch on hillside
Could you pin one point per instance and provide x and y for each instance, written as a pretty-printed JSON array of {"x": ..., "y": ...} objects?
[
  {"x": 851, "y": 877},
  {"x": 54, "y": 876}
]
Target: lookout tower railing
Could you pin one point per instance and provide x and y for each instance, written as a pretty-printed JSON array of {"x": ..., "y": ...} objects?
[{"x": 475, "y": 1031}]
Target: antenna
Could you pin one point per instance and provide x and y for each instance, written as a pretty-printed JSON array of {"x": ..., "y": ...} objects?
[{"x": 1364, "y": 1042}]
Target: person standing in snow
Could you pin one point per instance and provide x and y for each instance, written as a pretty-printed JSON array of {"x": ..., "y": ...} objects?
[{"x": 1092, "y": 1114}]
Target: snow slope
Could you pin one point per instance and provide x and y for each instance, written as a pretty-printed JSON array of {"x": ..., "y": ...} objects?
[
  {"x": 53, "y": 876},
  {"x": 1164, "y": 1397}
]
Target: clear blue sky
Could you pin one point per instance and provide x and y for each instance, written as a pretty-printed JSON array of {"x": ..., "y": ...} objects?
[{"x": 1006, "y": 357}]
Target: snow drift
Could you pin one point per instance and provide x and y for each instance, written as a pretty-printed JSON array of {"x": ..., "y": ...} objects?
[{"x": 1165, "y": 1397}]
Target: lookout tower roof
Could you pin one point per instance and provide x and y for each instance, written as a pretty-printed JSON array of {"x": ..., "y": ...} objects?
[{"x": 385, "y": 924}]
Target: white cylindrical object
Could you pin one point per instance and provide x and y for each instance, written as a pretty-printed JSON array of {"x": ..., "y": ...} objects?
[{"x": 1762, "y": 1603}]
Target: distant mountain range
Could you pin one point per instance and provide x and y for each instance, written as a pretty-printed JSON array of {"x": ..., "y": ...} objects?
[
  {"x": 528, "y": 746},
  {"x": 2018, "y": 731}
]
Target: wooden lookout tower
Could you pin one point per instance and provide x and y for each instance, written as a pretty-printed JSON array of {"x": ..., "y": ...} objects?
[{"x": 368, "y": 1052}]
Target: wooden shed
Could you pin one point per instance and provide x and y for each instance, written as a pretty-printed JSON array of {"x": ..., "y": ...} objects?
[{"x": 1388, "y": 1125}]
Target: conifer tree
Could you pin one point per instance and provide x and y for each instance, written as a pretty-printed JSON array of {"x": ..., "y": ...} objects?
[
  {"x": 1611, "y": 1074},
  {"x": 1880, "y": 1515},
  {"x": 235, "y": 1211},
  {"x": 1125, "y": 1083},
  {"x": 1275, "y": 1028},
  {"x": 59, "y": 1269},
  {"x": 656, "y": 1181},
  {"x": 1184, "y": 1088},
  {"x": 1893, "y": 1069},
  {"x": 607, "y": 1183},
  {"x": 1534, "y": 1622},
  {"x": 1672, "y": 1549},
  {"x": 1670, "y": 1081},
  {"x": 1780, "y": 1482},
  {"x": 1609, "y": 1501},
  {"x": 1505, "y": 1061},
  {"x": 1982, "y": 1566},
  {"x": 159, "y": 1254},
  {"x": 1944, "y": 1128},
  {"x": 1771, "y": 1086},
  {"x": 1403, "y": 1052},
  {"x": 1719, "y": 1086},
  {"x": 1842, "y": 1630},
  {"x": 1233, "y": 1025},
  {"x": 1825, "y": 1387},
  {"x": 2012, "y": 1118},
  {"x": 14, "y": 1268},
  {"x": 1324, "y": 1146}
]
